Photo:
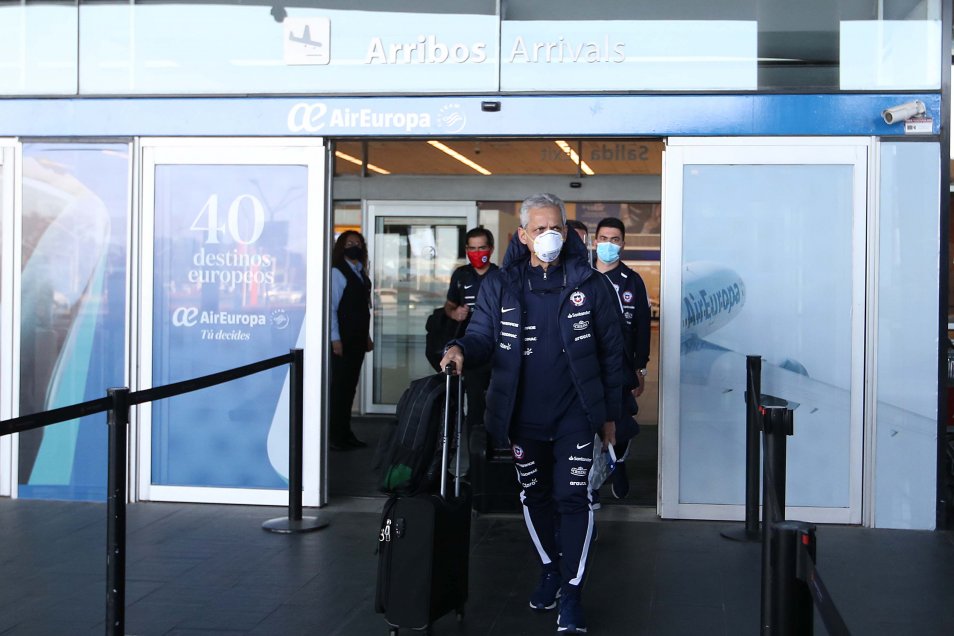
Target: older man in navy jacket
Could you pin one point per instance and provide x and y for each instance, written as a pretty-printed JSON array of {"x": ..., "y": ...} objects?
[{"x": 550, "y": 324}]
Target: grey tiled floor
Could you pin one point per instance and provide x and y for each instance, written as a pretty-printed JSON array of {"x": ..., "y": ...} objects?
[{"x": 204, "y": 569}]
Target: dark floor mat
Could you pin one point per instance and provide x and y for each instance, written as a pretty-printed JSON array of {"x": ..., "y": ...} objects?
[{"x": 350, "y": 473}]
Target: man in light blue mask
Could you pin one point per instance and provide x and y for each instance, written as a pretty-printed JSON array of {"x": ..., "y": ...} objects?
[
  {"x": 610, "y": 241},
  {"x": 549, "y": 325}
]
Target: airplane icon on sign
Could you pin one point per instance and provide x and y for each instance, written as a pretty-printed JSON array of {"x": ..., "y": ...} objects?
[{"x": 305, "y": 38}]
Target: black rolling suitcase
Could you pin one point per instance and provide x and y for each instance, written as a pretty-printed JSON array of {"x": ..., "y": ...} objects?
[{"x": 424, "y": 544}]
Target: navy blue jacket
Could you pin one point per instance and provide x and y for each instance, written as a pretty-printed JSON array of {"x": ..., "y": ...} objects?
[
  {"x": 589, "y": 327},
  {"x": 635, "y": 303}
]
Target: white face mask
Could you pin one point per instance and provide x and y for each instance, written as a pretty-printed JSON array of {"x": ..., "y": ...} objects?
[{"x": 547, "y": 246}]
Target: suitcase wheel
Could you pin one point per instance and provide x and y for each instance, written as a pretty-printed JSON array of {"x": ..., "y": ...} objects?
[
  {"x": 393, "y": 631},
  {"x": 460, "y": 614}
]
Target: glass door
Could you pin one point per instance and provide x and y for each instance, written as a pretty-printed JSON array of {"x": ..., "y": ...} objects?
[
  {"x": 233, "y": 243},
  {"x": 764, "y": 254},
  {"x": 414, "y": 247}
]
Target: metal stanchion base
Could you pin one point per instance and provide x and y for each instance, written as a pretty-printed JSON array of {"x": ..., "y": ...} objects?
[
  {"x": 741, "y": 534},
  {"x": 286, "y": 525}
]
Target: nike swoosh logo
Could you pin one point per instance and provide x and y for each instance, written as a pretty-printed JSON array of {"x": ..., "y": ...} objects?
[
  {"x": 579, "y": 446},
  {"x": 467, "y": 286},
  {"x": 503, "y": 311}
]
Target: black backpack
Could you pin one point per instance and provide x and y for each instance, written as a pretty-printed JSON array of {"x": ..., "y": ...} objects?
[
  {"x": 440, "y": 329},
  {"x": 409, "y": 456}
]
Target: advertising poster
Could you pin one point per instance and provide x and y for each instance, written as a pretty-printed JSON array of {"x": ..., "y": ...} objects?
[
  {"x": 229, "y": 290},
  {"x": 73, "y": 310}
]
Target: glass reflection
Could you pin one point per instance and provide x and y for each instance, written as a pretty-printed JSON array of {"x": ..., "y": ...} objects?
[{"x": 73, "y": 309}]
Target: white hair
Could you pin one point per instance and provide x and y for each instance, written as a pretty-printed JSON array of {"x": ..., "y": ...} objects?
[{"x": 541, "y": 200}]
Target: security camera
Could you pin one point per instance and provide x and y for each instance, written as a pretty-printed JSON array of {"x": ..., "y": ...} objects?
[{"x": 903, "y": 112}]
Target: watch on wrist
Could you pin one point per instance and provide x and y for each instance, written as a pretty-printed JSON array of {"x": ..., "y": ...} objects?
[{"x": 642, "y": 372}]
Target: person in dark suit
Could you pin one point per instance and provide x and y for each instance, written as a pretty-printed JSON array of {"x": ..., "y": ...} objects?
[{"x": 350, "y": 333}]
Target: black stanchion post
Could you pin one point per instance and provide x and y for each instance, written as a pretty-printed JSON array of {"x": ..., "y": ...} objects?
[
  {"x": 295, "y": 522},
  {"x": 792, "y": 610},
  {"x": 117, "y": 419},
  {"x": 777, "y": 425},
  {"x": 753, "y": 389}
]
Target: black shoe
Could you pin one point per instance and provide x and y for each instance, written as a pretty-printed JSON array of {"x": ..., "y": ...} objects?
[{"x": 354, "y": 442}]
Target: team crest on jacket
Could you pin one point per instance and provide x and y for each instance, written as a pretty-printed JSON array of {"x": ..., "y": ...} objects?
[
  {"x": 627, "y": 296},
  {"x": 577, "y": 298},
  {"x": 517, "y": 452}
]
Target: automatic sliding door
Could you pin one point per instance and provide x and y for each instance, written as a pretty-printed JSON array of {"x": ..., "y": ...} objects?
[{"x": 415, "y": 248}]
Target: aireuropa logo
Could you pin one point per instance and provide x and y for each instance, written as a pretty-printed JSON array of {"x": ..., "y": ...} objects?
[
  {"x": 185, "y": 317},
  {"x": 307, "y": 41},
  {"x": 192, "y": 316},
  {"x": 451, "y": 118},
  {"x": 313, "y": 117}
]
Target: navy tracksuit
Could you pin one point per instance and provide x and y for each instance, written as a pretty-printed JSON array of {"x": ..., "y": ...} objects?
[
  {"x": 634, "y": 301},
  {"x": 555, "y": 345}
]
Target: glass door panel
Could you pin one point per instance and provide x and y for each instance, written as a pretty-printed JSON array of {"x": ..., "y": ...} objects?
[
  {"x": 72, "y": 301},
  {"x": 770, "y": 262},
  {"x": 227, "y": 259},
  {"x": 415, "y": 247}
]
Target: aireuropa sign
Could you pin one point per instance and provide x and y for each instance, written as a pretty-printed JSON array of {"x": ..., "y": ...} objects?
[
  {"x": 314, "y": 117},
  {"x": 518, "y": 115}
]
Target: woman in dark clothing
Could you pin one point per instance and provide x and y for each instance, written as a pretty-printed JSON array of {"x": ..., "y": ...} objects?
[{"x": 350, "y": 336}]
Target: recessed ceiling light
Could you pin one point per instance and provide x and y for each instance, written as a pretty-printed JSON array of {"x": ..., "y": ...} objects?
[
  {"x": 459, "y": 157},
  {"x": 358, "y": 162},
  {"x": 575, "y": 158}
]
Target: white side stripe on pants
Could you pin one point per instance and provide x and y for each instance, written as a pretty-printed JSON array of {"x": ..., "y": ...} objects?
[
  {"x": 586, "y": 545},
  {"x": 533, "y": 531}
]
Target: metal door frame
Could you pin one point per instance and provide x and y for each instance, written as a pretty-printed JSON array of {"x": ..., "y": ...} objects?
[
  {"x": 371, "y": 210},
  {"x": 10, "y": 316}
]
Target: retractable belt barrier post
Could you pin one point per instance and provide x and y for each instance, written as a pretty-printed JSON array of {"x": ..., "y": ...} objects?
[
  {"x": 753, "y": 391},
  {"x": 295, "y": 523},
  {"x": 790, "y": 579},
  {"x": 777, "y": 425},
  {"x": 792, "y": 612},
  {"x": 117, "y": 419},
  {"x": 797, "y": 584}
]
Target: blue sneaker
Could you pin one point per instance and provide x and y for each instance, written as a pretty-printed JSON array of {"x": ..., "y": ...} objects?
[
  {"x": 570, "y": 619},
  {"x": 620, "y": 485},
  {"x": 544, "y": 598}
]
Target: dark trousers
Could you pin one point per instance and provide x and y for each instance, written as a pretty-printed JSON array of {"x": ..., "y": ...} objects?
[
  {"x": 476, "y": 382},
  {"x": 345, "y": 372},
  {"x": 556, "y": 495}
]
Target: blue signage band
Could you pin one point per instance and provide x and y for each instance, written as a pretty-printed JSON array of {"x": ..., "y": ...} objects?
[{"x": 498, "y": 116}]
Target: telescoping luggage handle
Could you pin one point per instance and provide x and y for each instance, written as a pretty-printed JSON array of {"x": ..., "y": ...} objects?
[{"x": 445, "y": 452}]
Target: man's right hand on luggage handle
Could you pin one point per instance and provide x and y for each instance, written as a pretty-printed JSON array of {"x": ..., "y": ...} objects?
[{"x": 456, "y": 355}]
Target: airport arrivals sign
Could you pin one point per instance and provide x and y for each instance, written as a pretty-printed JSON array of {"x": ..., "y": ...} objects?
[{"x": 446, "y": 53}]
